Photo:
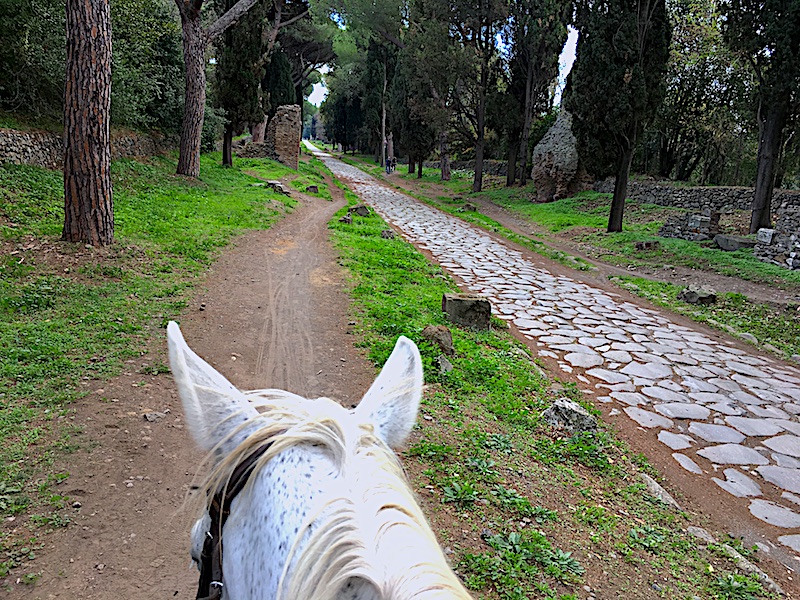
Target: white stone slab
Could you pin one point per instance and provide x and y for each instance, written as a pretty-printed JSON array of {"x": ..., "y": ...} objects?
[
  {"x": 768, "y": 412},
  {"x": 687, "y": 463},
  {"x": 716, "y": 433},
  {"x": 629, "y": 398},
  {"x": 732, "y": 454},
  {"x": 705, "y": 397},
  {"x": 648, "y": 419},
  {"x": 774, "y": 514},
  {"x": 584, "y": 361},
  {"x": 608, "y": 376},
  {"x": 785, "y": 444},
  {"x": 619, "y": 356},
  {"x": 738, "y": 484},
  {"x": 680, "y": 410},
  {"x": 792, "y": 541},
  {"x": 676, "y": 441},
  {"x": 698, "y": 385},
  {"x": 785, "y": 478},
  {"x": 663, "y": 394},
  {"x": 647, "y": 370},
  {"x": 754, "y": 427},
  {"x": 726, "y": 408}
]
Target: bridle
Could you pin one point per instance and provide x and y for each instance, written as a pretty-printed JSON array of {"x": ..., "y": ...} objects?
[{"x": 211, "y": 581}]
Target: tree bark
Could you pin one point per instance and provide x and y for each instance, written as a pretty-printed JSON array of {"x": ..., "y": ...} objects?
[
  {"x": 444, "y": 156},
  {"x": 410, "y": 164},
  {"x": 194, "y": 48},
  {"x": 511, "y": 168},
  {"x": 383, "y": 117},
  {"x": 769, "y": 146},
  {"x": 258, "y": 131},
  {"x": 620, "y": 190},
  {"x": 526, "y": 125},
  {"x": 227, "y": 146},
  {"x": 480, "y": 117},
  {"x": 88, "y": 200},
  {"x": 419, "y": 169}
]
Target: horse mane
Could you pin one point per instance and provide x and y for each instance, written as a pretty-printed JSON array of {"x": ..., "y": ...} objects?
[{"x": 375, "y": 532}]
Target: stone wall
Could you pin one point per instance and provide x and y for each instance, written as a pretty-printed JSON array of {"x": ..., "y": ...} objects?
[
  {"x": 781, "y": 245},
  {"x": 498, "y": 168},
  {"x": 46, "y": 149},
  {"x": 283, "y": 135},
  {"x": 720, "y": 199}
]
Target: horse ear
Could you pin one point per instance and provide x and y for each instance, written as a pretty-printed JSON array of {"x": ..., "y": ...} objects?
[
  {"x": 392, "y": 401},
  {"x": 212, "y": 406}
]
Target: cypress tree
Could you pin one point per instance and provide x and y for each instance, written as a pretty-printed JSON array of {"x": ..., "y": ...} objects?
[{"x": 616, "y": 85}]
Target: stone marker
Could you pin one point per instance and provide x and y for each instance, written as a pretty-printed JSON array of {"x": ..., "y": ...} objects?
[
  {"x": 468, "y": 310},
  {"x": 569, "y": 415},
  {"x": 765, "y": 236},
  {"x": 360, "y": 210},
  {"x": 313, "y": 189},
  {"x": 279, "y": 187},
  {"x": 731, "y": 243}
]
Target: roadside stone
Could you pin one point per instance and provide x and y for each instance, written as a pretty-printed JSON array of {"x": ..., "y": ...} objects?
[
  {"x": 584, "y": 360},
  {"x": 716, "y": 433},
  {"x": 154, "y": 417},
  {"x": 360, "y": 210},
  {"x": 731, "y": 243},
  {"x": 687, "y": 463},
  {"x": 468, "y": 310},
  {"x": 754, "y": 427},
  {"x": 785, "y": 444},
  {"x": 675, "y": 441},
  {"x": 700, "y": 534},
  {"x": 441, "y": 337},
  {"x": 569, "y": 415},
  {"x": 445, "y": 366},
  {"x": 313, "y": 189},
  {"x": 387, "y": 234},
  {"x": 347, "y": 219},
  {"x": 658, "y": 492},
  {"x": 683, "y": 411},
  {"x": 785, "y": 478},
  {"x": 774, "y": 514},
  {"x": 697, "y": 295}
]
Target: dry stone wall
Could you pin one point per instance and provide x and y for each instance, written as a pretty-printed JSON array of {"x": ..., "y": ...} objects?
[
  {"x": 46, "y": 149},
  {"x": 781, "y": 245},
  {"x": 720, "y": 199}
]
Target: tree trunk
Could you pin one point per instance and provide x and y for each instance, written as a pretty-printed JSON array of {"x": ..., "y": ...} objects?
[
  {"x": 477, "y": 182},
  {"x": 419, "y": 169},
  {"x": 410, "y": 164},
  {"x": 769, "y": 146},
  {"x": 444, "y": 156},
  {"x": 88, "y": 200},
  {"x": 383, "y": 117},
  {"x": 620, "y": 190},
  {"x": 511, "y": 168},
  {"x": 390, "y": 144},
  {"x": 194, "y": 49},
  {"x": 258, "y": 131},
  {"x": 526, "y": 125},
  {"x": 227, "y": 146}
]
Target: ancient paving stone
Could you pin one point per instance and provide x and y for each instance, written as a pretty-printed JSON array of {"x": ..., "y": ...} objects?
[
  {"x": 792, "y": 541},
  {"x": 670, "y": 385},
  {"x": 732, "y": 454},
  {"x": 704, "y": 397},
  {"x": 683, "y": 359},
  {"x": 716, "y": 433},
  {"x": 745, "y": 369},
  {"x": 726, "y": 408},
  {"x": 630, "y": 398},
  {"x": 648, "y": 419},
  {"x": 785, "y": 478},
  {"x": 774, "y": 514},
  {"x": 647, "y": 370},
  {"x": 768, "y": 412},
  {"x": 676, "y": 441},
  {"x": 791, "y": 497},
  {"x": 584, "y": 361},
  {"x": 699, "y": 385},
  {"x": 738, "y": 484},
  {"x": 618, "y": 356},
  {"x": 571, "y": 348},
  {"x": 785, "y": 444},
  {"x": 593, "y": 342},
  {"x": 663, "y": 394},
  {"x": 754, "y": 427},
  {"x": 783, "y": 460},
  {"x": 745, "y": 398},
  {"x": 687, "y": 463},
  {"x": 790, "y": 426},
  {"x": 679, "y": 410},
  {"x": 608, "y": 376}
]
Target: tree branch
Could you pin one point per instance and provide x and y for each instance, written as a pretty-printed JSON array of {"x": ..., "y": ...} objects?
[{"x": 229, "y": 19}]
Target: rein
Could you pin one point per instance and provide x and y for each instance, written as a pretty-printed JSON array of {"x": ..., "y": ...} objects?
[{"x": 210, "y": 585}]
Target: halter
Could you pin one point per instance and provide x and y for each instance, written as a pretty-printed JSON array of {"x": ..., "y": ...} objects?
[{"x": 210, "y": 585}]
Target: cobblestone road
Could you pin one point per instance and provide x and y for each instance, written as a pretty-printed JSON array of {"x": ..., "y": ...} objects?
[{"x": 727, "y": 416}]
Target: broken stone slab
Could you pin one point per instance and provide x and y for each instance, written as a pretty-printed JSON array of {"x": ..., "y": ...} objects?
[
  {"x": 445, "y": 366},
  {"x": 279, "y": 187},
  {"x": 441, "y": 336},
  {"x": 694, "y": 294},
  {"x": 154, "y": 417},
  {"x": 468, "y": 310},
  {"x": 647, "y": 245},
  {"x": 765, "y": 236},
  {"x": 732, "y": 454},
  {"x": 785, "y": 478},
  {"x": 738, "y": 484},
  {"x": 569, "y": 415},
  {"x": 774, "y": 514},
  {"x": 731, "y": 243},
  {"x": 658, "y": 492},
  {"x": 360, "y": 210}
]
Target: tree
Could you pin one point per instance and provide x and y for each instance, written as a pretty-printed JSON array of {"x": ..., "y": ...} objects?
[
  {"x": 195, "y": 41},
  {"x": 616, "y": 85},
  {"x": 88, "y": 202},
  {"x": 238, "y": 74},
  {"x": 536, "y": 34},
  {"x": 767, "y": 34}
]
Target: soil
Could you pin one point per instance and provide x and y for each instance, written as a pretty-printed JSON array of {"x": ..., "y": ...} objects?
[{"x": 273, "y": 312}]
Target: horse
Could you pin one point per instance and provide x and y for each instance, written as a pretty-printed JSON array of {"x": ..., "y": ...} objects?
[{"x": 321, "y": 508}]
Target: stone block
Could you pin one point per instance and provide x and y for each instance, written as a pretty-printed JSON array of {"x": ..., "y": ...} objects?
[
  {"x": 765, "y": 236},
  {"x": 697, "y": 295},
  {"x": 569, "y": 415},
  {"x": 731, "y": 243},
  {"x": 441, "y": 336},
  {"x": 313, "y": 189},
  {"x": 360, "y": 210},
  {"x": 467, "y": 310},
  {"x": 699, "y": 222}
]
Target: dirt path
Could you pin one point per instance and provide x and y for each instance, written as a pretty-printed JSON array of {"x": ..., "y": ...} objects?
[{"x": 272, "y": 313}]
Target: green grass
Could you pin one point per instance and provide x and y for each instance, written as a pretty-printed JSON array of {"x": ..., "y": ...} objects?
[
  {"x": 69, "y": 314},
  {"x": 538, "y": 503}
]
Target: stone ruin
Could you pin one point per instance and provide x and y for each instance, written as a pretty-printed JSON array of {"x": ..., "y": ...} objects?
[
  {"x": 691, "y": 226},
  {"x": 781, "y": 245},
  {"x": 282, "y": 141},
  {"x": 557, "y": 172}
]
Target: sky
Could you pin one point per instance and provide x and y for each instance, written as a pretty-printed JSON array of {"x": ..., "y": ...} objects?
[{"x": 564, "y": 65}]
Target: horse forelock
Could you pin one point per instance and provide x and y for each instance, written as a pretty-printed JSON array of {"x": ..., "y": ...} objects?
[{"x": 373, "y": 531}]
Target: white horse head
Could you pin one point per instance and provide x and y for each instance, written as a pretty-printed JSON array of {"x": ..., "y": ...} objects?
[{"x": 327, "y": 512}]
